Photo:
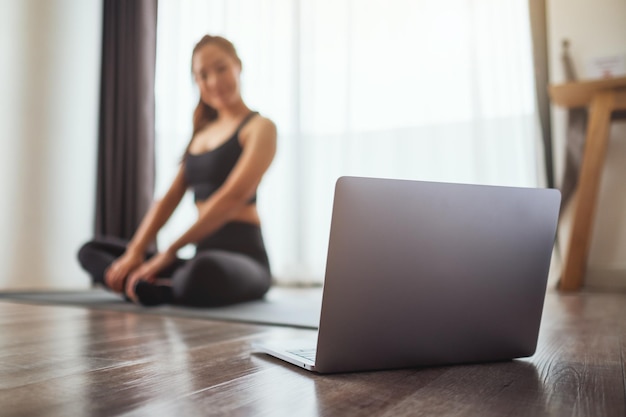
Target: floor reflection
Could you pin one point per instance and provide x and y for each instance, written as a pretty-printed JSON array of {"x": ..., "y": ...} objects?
[{"x": 149, "y": 362}]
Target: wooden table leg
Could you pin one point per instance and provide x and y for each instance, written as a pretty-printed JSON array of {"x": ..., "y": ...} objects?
[{"x": 600, "y": 110}]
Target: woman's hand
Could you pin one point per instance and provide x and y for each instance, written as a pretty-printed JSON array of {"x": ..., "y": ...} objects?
[
  {"x": 120, "y": 268},
  {"x": 148, "y": 271}
]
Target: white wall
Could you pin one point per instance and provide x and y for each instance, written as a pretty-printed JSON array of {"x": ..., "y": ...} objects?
[
  {"x": 49, "y": 89},
  {"x": 595, "y": 28}
]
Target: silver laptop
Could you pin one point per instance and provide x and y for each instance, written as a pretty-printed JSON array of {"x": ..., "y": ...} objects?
[{"x": 423, "y": 273}]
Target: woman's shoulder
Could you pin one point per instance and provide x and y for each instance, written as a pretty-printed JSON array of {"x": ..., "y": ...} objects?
[
  {"x": 259, "y": 126},
  {"x": 264, "y": 122}
]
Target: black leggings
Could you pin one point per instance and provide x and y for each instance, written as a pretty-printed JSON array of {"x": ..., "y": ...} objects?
[{"x": 230, "y": 266}]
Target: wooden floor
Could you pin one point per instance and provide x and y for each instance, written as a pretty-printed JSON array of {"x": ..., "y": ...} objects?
[{"x": 69, "y": 361}]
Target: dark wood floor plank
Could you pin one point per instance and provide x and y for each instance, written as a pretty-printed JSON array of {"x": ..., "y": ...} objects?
[
  {"x": 499, "y": 389},
  {"x": 579, "y": 357},
  {"x": 62, "y": 361}
]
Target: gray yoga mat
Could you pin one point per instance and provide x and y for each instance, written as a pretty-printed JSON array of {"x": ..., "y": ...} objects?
[{"x": 283, "y": 307}]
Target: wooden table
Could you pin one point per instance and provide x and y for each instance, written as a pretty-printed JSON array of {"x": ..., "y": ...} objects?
[
  {"x": 603, "y": 97},
  {"x": 73, "y": 361}
]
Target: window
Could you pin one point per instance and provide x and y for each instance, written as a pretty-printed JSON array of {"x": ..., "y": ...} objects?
[{"x": 408, "y": 89}]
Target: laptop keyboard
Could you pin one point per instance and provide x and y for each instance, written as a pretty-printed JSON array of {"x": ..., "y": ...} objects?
[{"x": 308, "y": 354}]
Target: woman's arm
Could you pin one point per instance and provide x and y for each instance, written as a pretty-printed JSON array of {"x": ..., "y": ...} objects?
[
  {"x": 152, "y": 222},
  {"x": 259, "y": 148},
  {"x": 159, "y": 214}
]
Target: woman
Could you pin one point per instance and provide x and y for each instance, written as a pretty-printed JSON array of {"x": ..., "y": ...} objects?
[{"x": 230, "y": 150}]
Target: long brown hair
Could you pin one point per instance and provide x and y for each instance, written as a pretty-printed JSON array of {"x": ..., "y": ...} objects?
[{"x": 203, "y": 113}]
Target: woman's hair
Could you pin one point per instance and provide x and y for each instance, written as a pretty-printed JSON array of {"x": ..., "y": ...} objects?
[{"x": 205, "y": 114}]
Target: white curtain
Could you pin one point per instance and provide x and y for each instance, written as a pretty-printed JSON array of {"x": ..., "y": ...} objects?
[{"x": 413, "y": 89}]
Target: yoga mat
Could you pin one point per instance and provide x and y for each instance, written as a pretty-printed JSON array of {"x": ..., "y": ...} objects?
[{"x": 293, "y": 307}]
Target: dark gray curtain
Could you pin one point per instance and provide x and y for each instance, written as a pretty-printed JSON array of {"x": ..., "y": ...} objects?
[
  {"x": 575, "y": 146},
  {"x": 126, "y": 132},
  {"x": 538, "y": 24},
  {"x": 576, "y": 118},
  {"x": 575, "y": 135}
]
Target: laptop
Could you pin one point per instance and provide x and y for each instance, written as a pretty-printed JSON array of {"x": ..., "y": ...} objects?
[{"x": 425, "y": 273}]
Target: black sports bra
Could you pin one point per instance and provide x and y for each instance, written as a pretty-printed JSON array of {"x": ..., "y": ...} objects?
[{"x": 206, "y": 172}]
